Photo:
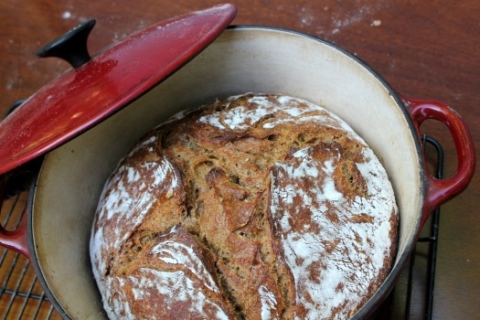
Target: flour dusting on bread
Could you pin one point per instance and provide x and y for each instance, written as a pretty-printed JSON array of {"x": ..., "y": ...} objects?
[{"x": 258, "y": 206}]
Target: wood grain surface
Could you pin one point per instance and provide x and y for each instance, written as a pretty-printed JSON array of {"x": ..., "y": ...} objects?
[{"x": 423, "y": 49}]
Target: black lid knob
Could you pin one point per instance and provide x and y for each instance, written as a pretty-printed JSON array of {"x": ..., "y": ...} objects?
[
  {"x": 14, "y": 106},
  {"x": 72, "y": 46}
]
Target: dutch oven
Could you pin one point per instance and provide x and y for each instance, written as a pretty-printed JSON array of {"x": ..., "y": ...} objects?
[{"x": 83, "y": 122}]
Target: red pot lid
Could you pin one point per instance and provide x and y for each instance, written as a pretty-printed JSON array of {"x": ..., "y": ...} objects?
[{"x": 93, "y": 90}]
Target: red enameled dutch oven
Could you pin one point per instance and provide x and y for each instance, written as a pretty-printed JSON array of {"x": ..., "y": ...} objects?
[{"x": 182, "y": 63}]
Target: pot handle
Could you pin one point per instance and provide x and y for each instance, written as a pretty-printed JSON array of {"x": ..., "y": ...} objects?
[
  {"x": 441, "y": 190},
  {"x": 16, "y": 240}
]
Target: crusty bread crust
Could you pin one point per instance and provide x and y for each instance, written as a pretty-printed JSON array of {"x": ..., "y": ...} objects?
[{"x": 253, "y": 207}]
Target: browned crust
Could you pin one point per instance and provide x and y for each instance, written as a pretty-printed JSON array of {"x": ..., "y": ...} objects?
[{"x": 222, "y": 209}]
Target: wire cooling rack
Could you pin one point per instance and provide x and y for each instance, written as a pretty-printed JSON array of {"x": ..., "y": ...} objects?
[{"x": 22, "y": 297}]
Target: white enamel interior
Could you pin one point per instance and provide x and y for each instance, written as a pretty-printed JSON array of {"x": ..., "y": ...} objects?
[{"x": 240, "y": 60}]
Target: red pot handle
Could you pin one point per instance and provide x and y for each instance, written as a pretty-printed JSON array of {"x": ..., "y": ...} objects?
[
  {"x": 16, "y": 240},
  {"x": 441, "y": 190}
]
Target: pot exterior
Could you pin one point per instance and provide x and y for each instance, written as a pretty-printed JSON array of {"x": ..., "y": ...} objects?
[{"x": 242, "y": 59}]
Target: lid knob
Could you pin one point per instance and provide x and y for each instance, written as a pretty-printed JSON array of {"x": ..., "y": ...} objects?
[
  {"x": 72, "y": 46},
  {"x": 14, "y": 106}
]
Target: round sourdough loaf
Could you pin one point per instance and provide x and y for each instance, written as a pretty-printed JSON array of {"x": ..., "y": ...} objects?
[{"x": 258, "y": 206}]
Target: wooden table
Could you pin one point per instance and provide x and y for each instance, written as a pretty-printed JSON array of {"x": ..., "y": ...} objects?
[{"x": 424, "y": 49}]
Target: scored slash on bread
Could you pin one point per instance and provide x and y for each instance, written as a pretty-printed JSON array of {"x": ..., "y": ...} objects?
[{"x": 258, "y": 206}]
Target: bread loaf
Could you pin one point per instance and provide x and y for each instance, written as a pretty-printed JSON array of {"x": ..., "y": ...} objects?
[{"x": 258, "y": 206}]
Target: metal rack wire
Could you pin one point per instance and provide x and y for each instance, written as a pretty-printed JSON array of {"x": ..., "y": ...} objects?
[
  {"x": 21, "y": 296},
  {"x": 432, "y": 240}
]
